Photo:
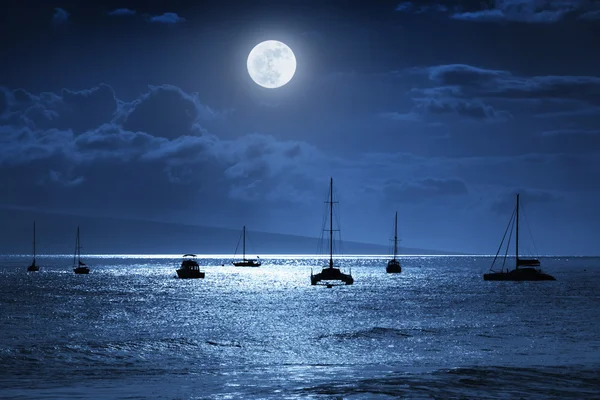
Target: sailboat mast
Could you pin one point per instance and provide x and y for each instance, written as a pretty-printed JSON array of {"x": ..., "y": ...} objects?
[
  {"x": 244, "y": 244},
  {"x": 34, "y": 241},
  {"x": 396, "y": 236},
  {"x": 331, "y": 222},
  {"x": 78, "y": 248},
  {"x": 517, "y": 235}
]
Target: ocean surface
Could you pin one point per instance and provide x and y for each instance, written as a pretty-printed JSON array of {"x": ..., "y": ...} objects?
[{"x": 131, "y": 330}]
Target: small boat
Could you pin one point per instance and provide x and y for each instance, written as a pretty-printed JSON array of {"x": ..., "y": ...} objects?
[
  {"x": 79, "y": 266},
  {"x": 190, "y": 268},
  {"x": 526, "y": 269},
  {"x": 330, "y": 272},
  {"x": 393, "y": 266},
  {"x": 246, "y": 262},
  {"x": 33, "y": 267}
]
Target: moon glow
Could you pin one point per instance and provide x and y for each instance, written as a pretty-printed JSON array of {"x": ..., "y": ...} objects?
[{"x": 271, "y": 64}]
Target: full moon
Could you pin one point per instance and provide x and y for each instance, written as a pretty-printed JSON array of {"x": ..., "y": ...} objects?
[{"x": 271, "y": 64}]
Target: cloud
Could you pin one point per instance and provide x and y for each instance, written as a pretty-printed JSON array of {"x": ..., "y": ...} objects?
[
  {"x": 406, "y": 6},
  {"x": 465, "y": 75},
  {"x": 516, "y": 11},
  {"x": 423, "y": 190},
  {"x": 78, "y": 110},
  {"x": 523, "y": 11},
  {"x": 409, "y": 7},
  {"x": 166, "y": 18},
  {"x": 474, "y": 109},
  {"x": 166, "y": 111},
  {"x": 152, "y": 157},
  {"x": 454, "y": 98},
  {"x": 60, "y": 16},
  {"x": 506, "y": 201},
  {"x": 591, "y": 16},
  {"x": 566, "y": 94},
  {"x": 121, "y": 12}
]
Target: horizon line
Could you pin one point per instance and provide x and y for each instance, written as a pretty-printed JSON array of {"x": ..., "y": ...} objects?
[{"x": 274, "y": 255}]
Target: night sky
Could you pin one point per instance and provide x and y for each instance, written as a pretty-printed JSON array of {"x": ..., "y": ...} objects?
[{"x": 441, "y": 110}]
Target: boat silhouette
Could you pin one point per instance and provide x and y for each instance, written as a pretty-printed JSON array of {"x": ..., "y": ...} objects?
[
  {"x": 33, "y": 267},
  {"x": 79, "y": 266},
  {"x": 393, "y": 266},
  {"x": 190, "y": 269},
  {"x": 330, "y": 272},
  {"x": 526, "y": 269},
  {"x": 246, "y": 262}
]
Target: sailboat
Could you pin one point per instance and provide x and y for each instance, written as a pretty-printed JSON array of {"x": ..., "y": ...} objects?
[
  {"x": 190, "y": 268},
  {"x": 329, "y": 272},
  {"x": 393, "y": 266},
  {"x": 246, "y": 262},
  {"x": 526, "y": 269},
  {"x": 33, "y": 267},
  {"x": 79, "y": 266}
]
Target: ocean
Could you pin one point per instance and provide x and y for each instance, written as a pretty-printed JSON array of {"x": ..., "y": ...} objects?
[{"x": 131, "y": 330}]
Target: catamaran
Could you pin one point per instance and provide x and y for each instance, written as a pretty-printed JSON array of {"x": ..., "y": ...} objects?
[
  {"x": 526, "y": 269},
  {"x": 329, "y": 272}
]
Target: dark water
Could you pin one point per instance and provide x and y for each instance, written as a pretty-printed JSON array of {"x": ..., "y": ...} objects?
[{"x": 131, "y": 330}]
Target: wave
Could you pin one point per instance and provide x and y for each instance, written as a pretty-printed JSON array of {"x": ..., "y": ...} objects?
[
  {"x": 375, "y": 333},
  {"x": 470, "y": 382}
]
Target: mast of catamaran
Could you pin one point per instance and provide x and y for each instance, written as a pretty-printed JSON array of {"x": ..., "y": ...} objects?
[
  {"x": 517, "y": 235},
  {"x": 331, "y": 222},
  {"x": 396, "y": 236}
]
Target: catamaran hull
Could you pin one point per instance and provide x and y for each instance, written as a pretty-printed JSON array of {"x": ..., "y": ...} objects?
[
  {"x": 393, "y": 267},
  {"x": 331, "y": 274},
  {"x": 81, "y": 270},
  {"x": 518, "y": 275}
]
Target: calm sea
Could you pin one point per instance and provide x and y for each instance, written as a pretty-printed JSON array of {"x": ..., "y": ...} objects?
[{"x": 131, "y": 330}]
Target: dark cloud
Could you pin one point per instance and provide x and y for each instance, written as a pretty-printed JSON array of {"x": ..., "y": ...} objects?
[
  {"x": 122, "y": 12},
  {"x": 524, "y": 11},
  {"x": 478, "y": 93},
  {"x": 506, "y": 201},
  {"x": 165, "y": 111},
  {"x": 423, "y": 190},
  {"x": 591, "y": 16},
  {"x": 410, "y": 7},
  {"x": 474, "y": 109},
  {"x": 502, "y": 84},
  {"x": 75, "y": 110},
  {"x": 151, "y": 157},
  {"x": 451, "y": 100},
  {"x": 166, "y": 18},
  {"x": 60, "y": 16},
  {"x": 516, "y": 11},
  {"x": 465, "y": 75}
]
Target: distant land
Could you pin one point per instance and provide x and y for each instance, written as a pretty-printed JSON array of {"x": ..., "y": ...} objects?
[{"x": 101, "y": 235}]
